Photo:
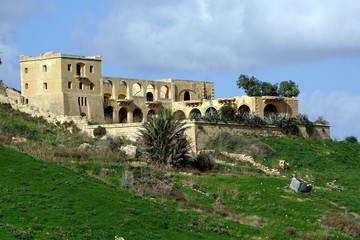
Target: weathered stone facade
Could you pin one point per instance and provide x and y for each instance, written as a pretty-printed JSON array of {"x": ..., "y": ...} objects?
[{"x": 74, "y": 86}]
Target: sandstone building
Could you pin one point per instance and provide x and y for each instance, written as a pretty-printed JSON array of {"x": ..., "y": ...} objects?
[{"x": 74, "y": 86}]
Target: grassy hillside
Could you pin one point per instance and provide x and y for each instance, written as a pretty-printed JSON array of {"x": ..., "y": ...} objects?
[
  {"x": 40, "y": 200},
  {"x": 98, "y": 195}
]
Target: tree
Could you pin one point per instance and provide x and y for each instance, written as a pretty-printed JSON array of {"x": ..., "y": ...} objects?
[
  {"x": 164, "y": 138},
  {"x": 252, "y": 86},
  {"x": 268, "y": 89},
  {"x": 99, "y": 132},
  {"x": 289, "y": 89}
]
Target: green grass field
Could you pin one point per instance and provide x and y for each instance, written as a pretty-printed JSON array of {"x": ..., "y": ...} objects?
[{"x": 93, "y": 197}]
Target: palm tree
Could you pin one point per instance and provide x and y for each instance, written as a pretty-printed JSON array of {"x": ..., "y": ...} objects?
[{"x": 164, "y": 138}]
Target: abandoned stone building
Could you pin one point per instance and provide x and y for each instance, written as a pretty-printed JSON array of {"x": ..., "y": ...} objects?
[{"x": 74, "y": 86}]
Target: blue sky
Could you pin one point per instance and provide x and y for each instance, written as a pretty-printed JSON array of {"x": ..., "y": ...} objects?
[{"x": 314, "y": 43}]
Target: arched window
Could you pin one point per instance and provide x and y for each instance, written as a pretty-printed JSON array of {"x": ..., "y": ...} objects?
[
  {"x": 122, "y": 115},
  {"x": 150, "y": 114},
  {"x": 195, "y": 113},
  {"x": 270, "y": 109},
  {"x": 210, "y": 111},
  {"x": 243, "y": 109},
  {"x": 186, "y": 96},
  {"x": 149, "y": 97},
  {"x": 137, "y": 115},
  {"x": 180, "y": 114},
  {"x": 108, "y": 114}
]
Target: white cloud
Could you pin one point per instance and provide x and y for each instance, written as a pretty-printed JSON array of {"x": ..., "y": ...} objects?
[
  {"x": 212, "y": 35},
  {"x": 340, "y": 108},
  {"x": 12, "y": 12}
]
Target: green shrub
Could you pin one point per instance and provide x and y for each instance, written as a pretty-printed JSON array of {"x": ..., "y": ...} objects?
[
  {"x": 99, "y": 132},
  {"x": 288, "y": 124},
  {"x": 351, "y": 139},
  {"x": 204, "y": 162},
  {"x": 164, "y": 139},
  {"x": 228, "y": 112}
]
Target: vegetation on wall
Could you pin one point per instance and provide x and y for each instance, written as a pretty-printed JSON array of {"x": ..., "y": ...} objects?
[{"x": 255, "y": 87}]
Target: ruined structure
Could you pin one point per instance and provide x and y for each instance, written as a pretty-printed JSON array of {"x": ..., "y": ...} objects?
[{"x": 74, "y": 86}]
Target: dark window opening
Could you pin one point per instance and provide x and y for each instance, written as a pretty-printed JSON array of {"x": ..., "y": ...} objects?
[
  {"x": 137, "y": 115},
  {"x": 149, "y": 97},
  {"x": 69, "y": 67},
  {"x": 123, "y": 115},
  {"x": 186, "y": 96}
]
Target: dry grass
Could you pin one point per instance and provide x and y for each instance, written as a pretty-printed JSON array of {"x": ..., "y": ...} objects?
[{"x": 342, "y": 222}]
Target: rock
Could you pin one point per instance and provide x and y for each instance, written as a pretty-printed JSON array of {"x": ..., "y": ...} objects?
[
  {"x": 130, "y": 151},
  {"x": 219, "y": 201},
  {"x": 283, "y": 164},
  {"x": 84, "y": 146},
  {"x": 18, "y": 139},
  {"x": 299, "y": 185}
]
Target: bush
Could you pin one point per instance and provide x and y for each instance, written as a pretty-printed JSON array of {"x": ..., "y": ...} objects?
[
  {"x": 228, "y": 112},
  {"x": 204, "y": 162},
  {"x": 342, "y": 222},
  {"x": 288, "y": 124},
  {"x": 289, "y": 231},
  {"x": 351, "y": 139},
  {"x": 164, "y": 138},
  {"x": 99, "y": 132}
]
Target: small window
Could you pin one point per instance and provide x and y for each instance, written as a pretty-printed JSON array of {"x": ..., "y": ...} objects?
[
  {"x": 69, "y": 67},
  {"x": 45, "y": 86},
  {"x": 44, "y": 68},
  {"x": 26, "y": 86},
  {"x": 26, "y": 101},
  {"x": 91, "y": 69},
  {"x": 85, "y": 101},
  {"x": 82, "y": 101},
  {"x": 26, "y": 70},
  {"x": 81, "y": 86},
  {"x": 92, "y": 86},
  {"x": 70, "y": 85},
  {"x": 79, "y": 101}
]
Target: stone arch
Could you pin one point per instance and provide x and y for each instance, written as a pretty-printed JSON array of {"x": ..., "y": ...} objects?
[
  {"x": 150, "y": 92},
  {"x": 150, "y": 114},
  {"x": 123, "y": 115},
  {"x": 186, "y": 96},
  {"x": 194, "y": 112},
  {"x": 210, "y": 110},
  {"x": 270, "y": 108},
  {"x": 149, "y": 97},
  {"x": 137, "y": 115},
  {"x": 243, "y": 109},
  {"x": 107, "y": 97},
  {"x": 180, "y": 114},
  {"x": 164, "y": 92},
  {"x": 137, "y": 90},
  {"x": 108, "y": 114},
  {"x": 122, "y": 90}
]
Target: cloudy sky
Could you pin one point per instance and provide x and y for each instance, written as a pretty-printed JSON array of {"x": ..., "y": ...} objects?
[{"x": 314, "y": 43}]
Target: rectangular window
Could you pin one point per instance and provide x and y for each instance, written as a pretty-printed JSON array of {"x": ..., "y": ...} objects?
[
  {"x": 92, "y": 86},
  {"x": 26, "y": 86},
  {"x": 85, "y": 101},
  {"x": 69, "y": 67},
  {"x": 81, "y": 86},
  {"x": 69, "y": 85},
  {"x": 91, "y": 69},
  {"x": 45, "y": 85},
  {"x": 26, "y": 70},
  {"x": 44, "y": 68},
  {"x": 26, "y": 101}
]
